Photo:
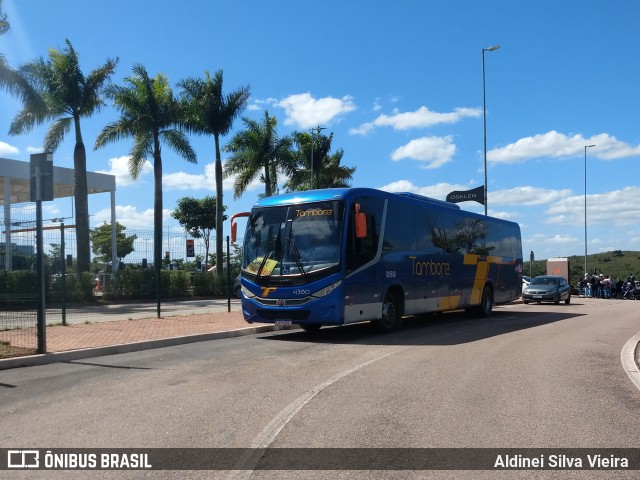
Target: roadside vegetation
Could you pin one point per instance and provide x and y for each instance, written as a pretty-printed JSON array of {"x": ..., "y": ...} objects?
[{"x": 616, "y": 264}]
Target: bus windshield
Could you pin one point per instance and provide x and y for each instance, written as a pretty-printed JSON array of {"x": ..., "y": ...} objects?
[{"x": 293, "y": 240}]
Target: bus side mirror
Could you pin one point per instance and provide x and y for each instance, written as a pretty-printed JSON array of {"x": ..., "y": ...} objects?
[
  {"x": 360, "y": 222},
  {"x": 234, "y": 225},
  {"x": 234, "y": 232}
]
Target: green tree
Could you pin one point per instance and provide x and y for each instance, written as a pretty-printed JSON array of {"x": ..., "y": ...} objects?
[
  {"x": 326, "y": 171},
  {"x": 258, "y": 151},
  {"x": 55, "y": 257},
  {"x": 102, "y": 244},
  {"x": 150, "y": 115},
  {"x": 211, "y": 112},
  {"x": 68, "y": 96},
  {"x": 198, "y": 218}
]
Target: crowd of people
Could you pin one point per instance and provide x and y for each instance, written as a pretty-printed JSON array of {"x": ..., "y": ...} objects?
[{"x": 603, "y": 286}]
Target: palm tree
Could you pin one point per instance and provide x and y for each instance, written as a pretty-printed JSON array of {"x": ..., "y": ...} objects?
[
  {"x": 258, "y": 151},
  {"x": 67, "y": 95},
  {"x": 10, "y": 80},
  {"x": 8, "y": 76},
  {"x": 4, "y": 23},
  {"x": 326, "y": 170},
  {"x": 150, "y": 115},
  {"x": 212, "y": 113}
]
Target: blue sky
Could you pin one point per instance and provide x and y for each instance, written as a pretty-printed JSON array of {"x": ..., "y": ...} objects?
[{"x": 400, "y": 87}]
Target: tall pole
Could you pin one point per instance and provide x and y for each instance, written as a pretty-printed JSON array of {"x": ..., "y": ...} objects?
[
  {"x": 41, "y": 310},
  {"x": 585, "y": 206},
  {"x": 63, "y": 275},
  {"x": 484, "y": 114}
]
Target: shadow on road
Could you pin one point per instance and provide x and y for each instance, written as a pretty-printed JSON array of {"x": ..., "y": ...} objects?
[{"x": 451, "y": 328}]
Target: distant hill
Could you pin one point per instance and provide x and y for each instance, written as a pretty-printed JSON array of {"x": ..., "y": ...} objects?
[{"x": 618, "y": 263}]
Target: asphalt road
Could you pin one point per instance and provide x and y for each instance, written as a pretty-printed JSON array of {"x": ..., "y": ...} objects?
[{"x": 531, "y": 376}]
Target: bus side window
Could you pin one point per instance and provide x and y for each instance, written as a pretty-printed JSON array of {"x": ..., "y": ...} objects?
[{"x": 361, "y": 250}]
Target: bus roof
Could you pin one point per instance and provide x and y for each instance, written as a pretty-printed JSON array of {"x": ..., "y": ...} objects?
[{"x": 344, "y": 193}]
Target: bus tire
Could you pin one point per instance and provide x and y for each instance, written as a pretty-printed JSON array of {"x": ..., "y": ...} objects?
[
  {"x": 390, "y": 319},
  {"x": 486, "y": 303},
  {"x": 310, "y": 327}
]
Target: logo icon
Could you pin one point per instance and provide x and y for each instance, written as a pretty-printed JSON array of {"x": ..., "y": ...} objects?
[
  {"x": 23, "y": 459},
  {"x": 267, "y": 290}
]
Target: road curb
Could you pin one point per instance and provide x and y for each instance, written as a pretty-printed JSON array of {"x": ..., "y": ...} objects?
[
  {"x": 628, "y": 359},
  {"x": 55, "y": 357}
]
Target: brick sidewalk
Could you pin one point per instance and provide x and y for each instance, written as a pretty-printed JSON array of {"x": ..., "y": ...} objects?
[{"x": 91, "y": 335}]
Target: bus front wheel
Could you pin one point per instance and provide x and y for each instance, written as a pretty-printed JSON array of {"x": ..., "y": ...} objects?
[
  {"x": 390, "y": 315},
  {"x": 311, "y": 327}
]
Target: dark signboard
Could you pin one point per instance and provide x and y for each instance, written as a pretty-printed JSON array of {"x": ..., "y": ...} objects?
[
  {"x": 475, "y": 195},
  {"x": 41, "y": 172}
]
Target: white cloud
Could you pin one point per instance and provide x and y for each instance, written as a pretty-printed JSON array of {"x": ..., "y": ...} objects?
[
  {"x": 438, "y": 191},
  {"x": 304, "y": 111},
  {"x": 527, "y": 196},
  {"x": 6, "y": 149},
  {"x": 120, "y": 169},
  {"x": 558, "y": 145},
  {"x": 35, "y": 149},
  {"x": 503, "y": 215},
  {"x": 362, "y": 129},
  {"x": 203, "y": 181},
  {"x": 562, "y": 239},
  {"x": 600, "y": 209},
  {"x": 129, "y": 216},
  {"x": 421, "y": 118},
  {"x": 436, "y": 151}
]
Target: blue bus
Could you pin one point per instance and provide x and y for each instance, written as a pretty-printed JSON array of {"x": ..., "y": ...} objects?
[{"x": 341, "y": 256}]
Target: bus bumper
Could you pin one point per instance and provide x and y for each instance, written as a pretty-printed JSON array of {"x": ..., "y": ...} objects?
[{"x": 318, "y": 312}]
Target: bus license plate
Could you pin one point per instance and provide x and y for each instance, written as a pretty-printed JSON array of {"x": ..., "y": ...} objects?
[{"x": 283, "y": 323}]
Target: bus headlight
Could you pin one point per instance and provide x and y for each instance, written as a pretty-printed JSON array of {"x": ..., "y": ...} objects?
[
  {"x": 326, "y": 290},
  {"x": 246, "y": 292}
]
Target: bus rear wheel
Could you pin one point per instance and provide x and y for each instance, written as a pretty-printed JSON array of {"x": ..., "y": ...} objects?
[
  {"x": 486, "y": 304},
  {"x": 390, "y": 315}
]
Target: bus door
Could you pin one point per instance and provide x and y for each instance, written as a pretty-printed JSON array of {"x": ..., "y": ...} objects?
[{"x": 362, "y": 253}]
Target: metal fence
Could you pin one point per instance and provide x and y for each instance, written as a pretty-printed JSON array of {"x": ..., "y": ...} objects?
[
  {"x": 58, "y": 233},
  {"x": 18, "y": 320},
  {"x": 183, "y": 277}
]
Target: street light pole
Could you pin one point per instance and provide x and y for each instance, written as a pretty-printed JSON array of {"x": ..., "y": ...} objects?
[
  {"x": 484, "y": 111},
  {"x": 585, "y": 206}
]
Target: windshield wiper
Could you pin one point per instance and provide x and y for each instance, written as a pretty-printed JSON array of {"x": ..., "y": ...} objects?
[
  {"x": 272, "y": 249},
  {"x": 296, "y": 256}
]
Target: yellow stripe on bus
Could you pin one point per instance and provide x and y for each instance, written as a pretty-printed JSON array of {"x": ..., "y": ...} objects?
[
  {"x": 451, "y": 302},
  {"x": 482, "y": 269}
]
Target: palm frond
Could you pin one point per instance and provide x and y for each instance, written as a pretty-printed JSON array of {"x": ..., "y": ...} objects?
[
  {"x": 56, "y": 133},
  {"x": 24, "y": 121},
  {"x": 141, "y": 149},
  {"x": 179, "y": 142}
]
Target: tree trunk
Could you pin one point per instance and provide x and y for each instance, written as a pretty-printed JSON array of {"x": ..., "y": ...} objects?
[
  {"x": 219, "y": 209},
  {"x": 157, "y": 218},
  {"x": 81, "y": 202},
  {"x": 267, "y": 181}
]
